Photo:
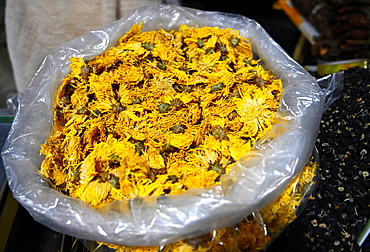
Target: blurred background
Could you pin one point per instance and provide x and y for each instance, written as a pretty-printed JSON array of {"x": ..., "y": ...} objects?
[{"x": 7, "y": 84}]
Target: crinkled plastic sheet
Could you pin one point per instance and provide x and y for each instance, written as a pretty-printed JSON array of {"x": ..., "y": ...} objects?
[
  {"x": 254, "y": 182},
  {"x": 332, "y": 86}
]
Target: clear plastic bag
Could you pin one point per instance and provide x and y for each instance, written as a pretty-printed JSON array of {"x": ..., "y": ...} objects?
[
  {"x": 253, "y": 183},
  {"x": 332, "y": 86},
  {"x": 255, "y": 232}
]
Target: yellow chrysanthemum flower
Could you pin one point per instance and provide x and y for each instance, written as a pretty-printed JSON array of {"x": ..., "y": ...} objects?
[{"x": 160, "y": 113}]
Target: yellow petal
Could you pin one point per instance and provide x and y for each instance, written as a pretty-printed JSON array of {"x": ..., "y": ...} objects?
[
  {"x": 182, "y": 140},
  {"x": 155, "y": 160}
]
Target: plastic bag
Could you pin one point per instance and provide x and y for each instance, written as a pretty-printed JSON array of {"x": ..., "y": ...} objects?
[
  {"x": 332, "y": 86},
  {"x": 254, "y": 182},
  {"x": 12, "y": 102},
  {"x": 255, "y": 232}
]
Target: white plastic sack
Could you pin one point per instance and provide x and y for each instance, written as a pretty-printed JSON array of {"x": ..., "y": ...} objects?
[{"x": 254, "y": 182}]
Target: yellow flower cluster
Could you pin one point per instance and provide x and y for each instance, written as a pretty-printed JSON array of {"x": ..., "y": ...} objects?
[{"x": 160, "y": 113}]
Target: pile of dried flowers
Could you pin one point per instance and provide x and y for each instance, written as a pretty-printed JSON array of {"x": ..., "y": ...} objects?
[{"x": 160, "y": 113}]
